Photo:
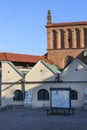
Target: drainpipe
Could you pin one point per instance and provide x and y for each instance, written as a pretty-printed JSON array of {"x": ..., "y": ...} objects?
[{"x": 23, "y": 87}]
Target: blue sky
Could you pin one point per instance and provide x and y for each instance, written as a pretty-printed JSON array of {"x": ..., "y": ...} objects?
[{"x": 22, "y": 22}]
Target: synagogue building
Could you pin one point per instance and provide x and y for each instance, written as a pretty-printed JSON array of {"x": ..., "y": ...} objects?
[{"x": 65, "y": 41}]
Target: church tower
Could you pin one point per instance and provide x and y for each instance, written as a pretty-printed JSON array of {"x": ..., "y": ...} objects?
[{"x": 65, "y": 41}]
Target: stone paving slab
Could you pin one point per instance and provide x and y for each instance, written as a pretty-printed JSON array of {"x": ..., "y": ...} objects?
[{"x": 37, "y": 119}]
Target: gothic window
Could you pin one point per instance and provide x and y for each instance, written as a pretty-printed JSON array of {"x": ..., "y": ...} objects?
[
  {"x": 54, "y": 39},
  {"x": 74, "y": 95},
  {"x": 62, "y": 38},
  {"x": 18, "y": 95},
  {"x": 43, "y": 94},
  {"x": 85, "y": 37},
  {"x": 78, "y": 37},
  {"x": 70, "y": 38},
  {"x": 68, "y": 60}
]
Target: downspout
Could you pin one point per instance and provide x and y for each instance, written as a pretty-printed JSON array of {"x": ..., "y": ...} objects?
[{"x": 23, "y": 86}]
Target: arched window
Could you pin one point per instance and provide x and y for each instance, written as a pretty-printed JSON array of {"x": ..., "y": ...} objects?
[
  {"x": 68, "y": 60},
  {"x": 70, "y": 38},
  {"x": 18, "y": 95},
  {"x": 78, "y": 37},
  {"x": 62, "y": 38},
  {"x": 74, "y": 95},
  {"x": 85, "y": 37},
  {"x": 54, "y": 39},
  {"x": 43, "y": 94}
]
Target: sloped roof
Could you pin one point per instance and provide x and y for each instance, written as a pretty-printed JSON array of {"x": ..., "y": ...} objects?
[
  {"x": 55, "y": 68},
  {"x": 41, "y": 68},
  {"x": 13, "y": 57},
  {"x": 76, "y": 60},
  {"x": 83, "y": 56},
  {"x": 76, "y": 71},
  {"x": 15, "y": 68},
  {"x": 52, "y": 67}
]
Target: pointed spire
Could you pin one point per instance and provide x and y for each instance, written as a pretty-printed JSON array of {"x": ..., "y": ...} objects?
[{"x": 49, "y": 18}]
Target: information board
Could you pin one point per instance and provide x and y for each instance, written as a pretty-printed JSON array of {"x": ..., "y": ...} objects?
[{"x": 60, "y": 98}]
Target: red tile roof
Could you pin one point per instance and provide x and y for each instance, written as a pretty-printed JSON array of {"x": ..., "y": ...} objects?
[
  {"x": 22, "y": 58},
  {"x": 66, "y": 24}
]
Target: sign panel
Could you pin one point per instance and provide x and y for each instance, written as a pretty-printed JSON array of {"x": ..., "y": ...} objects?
[{"x": 60, "y": 98}]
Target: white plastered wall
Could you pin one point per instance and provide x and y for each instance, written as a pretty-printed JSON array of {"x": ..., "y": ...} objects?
[
  {"x": 9, "y": 75},
  {"x": 40, "y": 73}
]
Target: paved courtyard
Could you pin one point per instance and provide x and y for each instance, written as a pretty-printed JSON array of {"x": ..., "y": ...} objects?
[{"x": 37, "y": 119}]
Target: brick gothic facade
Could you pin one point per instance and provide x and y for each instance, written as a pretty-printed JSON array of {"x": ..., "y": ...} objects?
[{"x": 65, "y": 41}]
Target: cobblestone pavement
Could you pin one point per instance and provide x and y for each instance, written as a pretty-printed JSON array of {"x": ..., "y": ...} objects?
[{"x": 37, "y": 119}]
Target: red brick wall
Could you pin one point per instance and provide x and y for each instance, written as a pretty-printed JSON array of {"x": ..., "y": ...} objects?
[{"x": 58, "y": 56}]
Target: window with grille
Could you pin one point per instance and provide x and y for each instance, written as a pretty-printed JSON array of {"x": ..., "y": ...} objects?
[
  {"x": 18, "y": 95},
  {"x": 43, "y": 94},
  {"x": 74, "y": 95}
]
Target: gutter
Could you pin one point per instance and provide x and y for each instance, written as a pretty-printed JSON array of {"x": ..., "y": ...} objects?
[{"x": 35, "y": 82}]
